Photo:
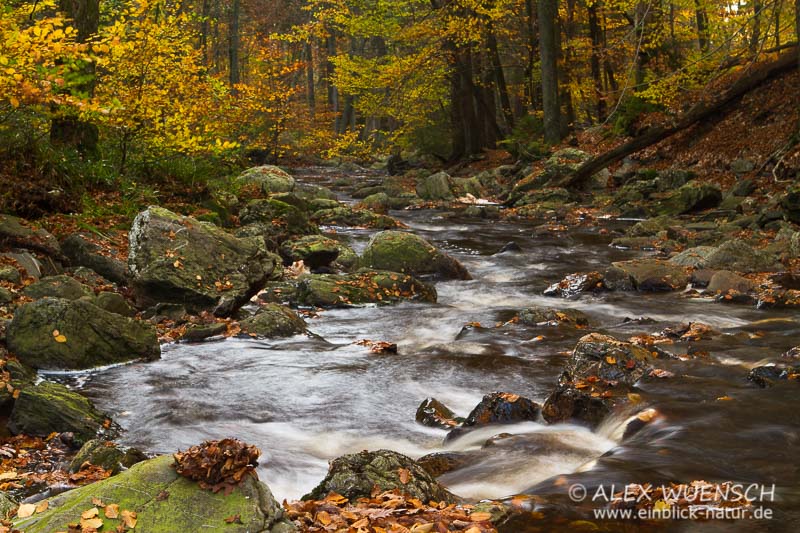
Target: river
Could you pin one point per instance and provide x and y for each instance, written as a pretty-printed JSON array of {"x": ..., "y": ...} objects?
[{"x": 304, "y": 400}]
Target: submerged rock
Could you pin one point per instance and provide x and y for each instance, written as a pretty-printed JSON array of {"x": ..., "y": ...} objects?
[
  {"x": 767, "y": 375},
  {"x": 50, "y": 407},
  {"x": 399, "y": 251},
  {"x": 273, "y": 320},
  {"x": 165, "y": 502},
  {"x": 177, "y": 259},
  {"x": 58, "y": 334},
  {"x": 354, "y": 476}
]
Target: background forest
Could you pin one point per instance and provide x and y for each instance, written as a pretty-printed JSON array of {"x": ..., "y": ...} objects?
[{"x": 164, "y": 89}]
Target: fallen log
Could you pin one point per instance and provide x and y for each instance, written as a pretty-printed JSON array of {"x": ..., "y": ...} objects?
[{"x": 701, "y": 111}]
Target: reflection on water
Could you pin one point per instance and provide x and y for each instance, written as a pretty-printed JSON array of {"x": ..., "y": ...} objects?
[{"x": 304, "y": 401}]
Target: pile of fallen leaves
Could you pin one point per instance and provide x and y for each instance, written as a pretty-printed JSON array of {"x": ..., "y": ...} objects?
[
  {"x": 386, "y": 512},
  {"x": 218, "y": 464}
]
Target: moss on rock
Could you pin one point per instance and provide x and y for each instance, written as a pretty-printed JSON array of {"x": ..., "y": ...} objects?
[{"x": 399, "y": 251}]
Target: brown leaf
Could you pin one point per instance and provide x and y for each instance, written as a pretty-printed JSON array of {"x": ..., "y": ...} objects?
[
  {"x": 90, "y": 513},
  {"x": 112, "y": 510},
  {"x": 25, "y": 510},
  {"x": 129, "y": 519},
  {"x": 404, "y": 474},
  {"x": 235, "y": 519},
  {"x": 91, "y": 524}
]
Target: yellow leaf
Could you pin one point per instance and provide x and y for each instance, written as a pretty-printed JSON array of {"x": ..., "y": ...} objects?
[
  {"x": 14, "y": 102},
  {"x": 324, "y": 518},
  {"x": 611, "y": 360},
  {"x": 129, "y": 519},
  {"x": 91, "y": 523},
  {"x": 480, "y": 517},
  {"x": 61, "y": 338},
  {"x": 90, "y": 513},
  {"x": 112, "y": 510},
  {"x": 42, "y": 507},
  {"x": 25, "y": 510}
]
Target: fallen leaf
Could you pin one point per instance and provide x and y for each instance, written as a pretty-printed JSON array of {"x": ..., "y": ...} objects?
[
  {"x": 404, "y": 475},
  {"x": 25, "y": 510},
  {"x": 112, "y": 510},
  {"x": 90, "y": 513},
  {"x": 129, "y": 519},
  {"x": 97, "y": 502},
  {"x": 60, "y": 338},
  {"x": 42, "y": 506},
  {"x": 235, "y": 519},
  {"x": 324, "y": 518},
  {"x": 91, "y": 523}
]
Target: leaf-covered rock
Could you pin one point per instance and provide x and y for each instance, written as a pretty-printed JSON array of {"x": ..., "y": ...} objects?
[
  {"x": 177, "y": 259},
  {"x": 58, "y": 334},
  {"x": 355, "y": 476},
  {"x": 165, "y": 502},
  {"x": 398, "y": 251},
  {"x": 362, "y": 287}
]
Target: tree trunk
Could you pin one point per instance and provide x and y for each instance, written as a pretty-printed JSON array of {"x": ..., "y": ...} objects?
[
  {"x": 204, "y": 27},
  {"x": 597, "y": 75},
  {"x": 532, "y": 90},
  {"x": 797, "y": 26},
  {"x": 500, "y": 79},
  {"x": 699, "y": 112},
  {"x": 68, "y": 130},
  {"x": 548, "y": 44},
  {"x": 233, "y": 46},
  {"x": 755, "y": 38},
  {"x": 310, "y": 87},
  {"x": 702, "y": 26}
]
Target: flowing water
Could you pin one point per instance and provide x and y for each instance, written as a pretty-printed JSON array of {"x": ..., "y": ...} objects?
[{"x": 306, "y": 400}]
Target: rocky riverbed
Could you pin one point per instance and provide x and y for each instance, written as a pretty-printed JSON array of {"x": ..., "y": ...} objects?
[{"x": 501, "y": 350}]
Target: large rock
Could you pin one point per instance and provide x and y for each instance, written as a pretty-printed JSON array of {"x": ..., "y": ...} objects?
[
  {"x": 691, "y": 197},
  {"x": 738, "y": 256},
  {"x": 54, "y": 333},
  {"x": 165, "y": 502},
  {"x": 177, "y": 259},
  {"x": 315, "y": 251},
  {"x": 696, "y": 257},
  {"x": 18, "y": 233},
  {"x": 106, "y": 455},
  {"x": 270, "y": 179},
  {"x": 599, "y": 374},
  {"x": 362, "y": 287},
  {"x": 347, "y": 216},
  {"x": 654, "y": 274},
  {"x": 50, "y": 407},
  {"x": 60, "y": 286},
  {"x": 725, "y": 281},
  {"x": 436, "y": 187},
  {"x": 279, "y": 220},
  {"x": 790, "y": 203},
  {"x": 81, "y": 251},
  {"x": 273, "y": 320},
  {"x": 354, "y": 476},
  {"x": 498, "y": 408},
  {"x": 399, "y": 251}
]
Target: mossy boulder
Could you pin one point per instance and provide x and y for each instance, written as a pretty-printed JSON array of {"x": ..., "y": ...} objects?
[
  {"x": 436, "y": 187},
  {"x": 315, "y": 251},
  {"x": 351, "y": 217},
  {"x": 549, "y": 316},
  {"x": 80, "y": 251},
  {"x": 694, "y": 196},
  {"x": 359, "y": 288},
  {"x": 6, "y": 296},
  {"x": 738, "y": 256},
  {"x": 60, "y": 286},
  {"x": 51, "y": 407},
  {"x": 354, "y": 476},
  {"x": 281, "y": 219},
  {"x": 378, "y": 203},
  {"x": 654, "y": 274},
  {"x": 114, "y": 303},
  {"x": 10, "y": 274},
  {"x": 273, "y": 320},
  {"x": 177, "y": 259},
  {"x": 399, "y": 251},
  {"x": 165, "y": 502},
  {"x": 269, "y": 178},
  {"x": 7, "y": 504},
  {"x": 107, "y": 455},
  {"x": 58, "y": 334}
]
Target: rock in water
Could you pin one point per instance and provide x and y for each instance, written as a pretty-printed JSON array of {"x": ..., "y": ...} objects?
[
  {"x": 433, "y": 413},
  {"x": 436, "y": 187},
  {"x": 398, "y": 251},
  {"x": 498, "y": 408},
  {"x": 354, "y": 476},
  {"x": 273, "y": 320},
  {"x": 177, "y": 259},
  {"x": 58, "y": 334},
  {"x": 597, "y": 377},
  {"x": 362, "y": 287},
  {"x": 270, "y": 179},
  {"x": 50, "y": 407},
  {"x": 165, "y": 502}
]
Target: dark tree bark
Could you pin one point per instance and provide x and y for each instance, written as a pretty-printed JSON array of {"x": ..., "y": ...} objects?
[
  {"x": 597, "y": 75},
  {"x": 233, "y": 46},
  {"x": 702, "y": 25},
  {"x": 500, "y": 79},
  {"x": 69, "y": 130},
  {"x": 548, "y": 44},
  {"x": 755, "y": 38},
  {"x": 204, "y": 28},
  {"x": 532, "y": 90},
  {"x": 310, "y": 87},
  {"x": 797, "y": 25},
  {"x": 699, "y": 112}
]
